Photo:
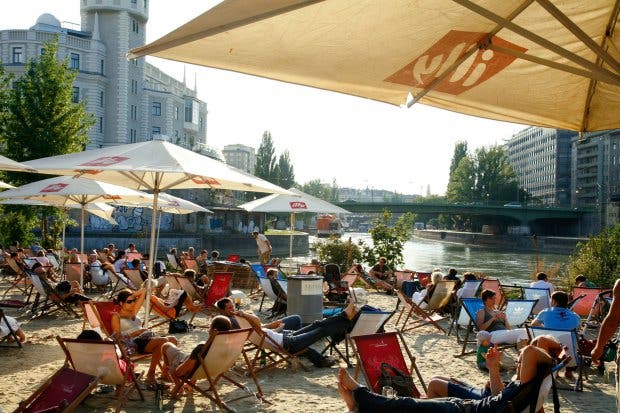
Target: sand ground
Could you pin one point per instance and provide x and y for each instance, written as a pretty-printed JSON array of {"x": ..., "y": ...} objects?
[{"x": 22, "y": 370}]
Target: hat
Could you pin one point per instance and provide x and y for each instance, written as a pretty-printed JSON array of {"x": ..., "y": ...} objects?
[{"x": 483, "y": 335}]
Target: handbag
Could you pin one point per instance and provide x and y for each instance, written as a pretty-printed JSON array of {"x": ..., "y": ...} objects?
[
  {"x": 178, "y": 326},
  {"x": 401, "y": 382}
]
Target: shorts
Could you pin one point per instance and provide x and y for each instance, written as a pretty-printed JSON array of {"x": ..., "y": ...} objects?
[
  {"x": 175, "y": 357},
  {"x": 465, "y": 391},
  {"x": 143, "y": 340}
]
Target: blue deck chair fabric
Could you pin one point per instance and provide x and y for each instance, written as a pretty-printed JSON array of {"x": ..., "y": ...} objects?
[
  {"x": 541, "y": 294},
  {"x": 467, "y": 320},
  {"x": 568, "y": 338}
]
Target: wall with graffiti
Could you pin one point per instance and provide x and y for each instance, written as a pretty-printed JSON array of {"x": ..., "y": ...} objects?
[{"x": 129, "y": 219}]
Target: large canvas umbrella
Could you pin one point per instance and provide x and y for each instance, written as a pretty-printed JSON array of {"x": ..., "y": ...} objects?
[
  {"x": 7, "y": 164},
  {"x": 66, "y": 191},
  {"x": 546, "y": 62},
  {"x": 155, "y": 166},
  {"x": 296, "y": 203}
]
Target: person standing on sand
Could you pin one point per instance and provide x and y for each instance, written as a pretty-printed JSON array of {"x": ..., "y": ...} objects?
[
  {"x": 263, "y": 247},
  {"x": 608, "y": 328}
]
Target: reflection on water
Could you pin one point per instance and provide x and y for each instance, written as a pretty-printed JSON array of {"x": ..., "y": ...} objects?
[{"x": 510, "y": 266}]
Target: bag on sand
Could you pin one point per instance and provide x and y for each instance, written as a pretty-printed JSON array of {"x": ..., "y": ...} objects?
[
  {"x": 401, "y": 382},
  {"x": 178, "y": 326}
]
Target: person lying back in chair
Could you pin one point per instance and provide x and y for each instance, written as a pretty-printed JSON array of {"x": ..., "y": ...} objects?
[
  {"x": 178, "y": 364},
  {"x": 535, "y": 363},
  {"x": 299, "y": 341}
]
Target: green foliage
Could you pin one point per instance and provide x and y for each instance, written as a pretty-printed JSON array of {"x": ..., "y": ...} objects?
[
  {"x": 389, "y": 240},
  {"x": 318, "y": 190},
  {"x": 39, "y": 119},
  {"x": 462, "y": 180},
  {"x": 598, "y": 258},
  {"x": 460, "y": 152},
  {"x": 266, "y": 159},
  {"x": 284, "y": 171},
  {"x": 343, "y": 253}
]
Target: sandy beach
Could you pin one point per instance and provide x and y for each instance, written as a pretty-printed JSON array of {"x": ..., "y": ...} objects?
[{"x": 22, "y": 370}]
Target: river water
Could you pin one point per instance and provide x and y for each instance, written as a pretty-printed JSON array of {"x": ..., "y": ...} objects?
[{"x": 512, "y": 267}]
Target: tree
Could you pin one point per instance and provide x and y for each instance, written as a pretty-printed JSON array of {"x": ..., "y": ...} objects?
[
  {"x": 462, "y": 181},
  {"x": 317, "y": 189},
  {"x": 40, "y": 120},
  {"x": 284, "y": 171},
  {"x": 342, "y": 253},
  {"x": 598, "y": 258},
  {"x": 496, "y": 180},
  {"x": 460, "y": 151},
  {"x": 266, "y": 159},
  {"x": 389, "y": 240}
]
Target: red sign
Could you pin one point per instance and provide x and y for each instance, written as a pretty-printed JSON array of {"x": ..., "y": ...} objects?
[
  {"x": 54, "y": 188},
  {"x": 105, "y": 161},
  {"x": 479, "y": 67},
  {"x": 204, "y": 180},
  {"x": 298, "y": 205}
]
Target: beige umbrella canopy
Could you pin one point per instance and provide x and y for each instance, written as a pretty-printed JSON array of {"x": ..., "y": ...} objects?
[
  {"x": 7, "y": 164},
  {"x": 546, "y": 62}
]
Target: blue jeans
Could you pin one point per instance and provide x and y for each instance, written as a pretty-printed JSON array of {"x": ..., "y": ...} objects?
[
  {"x": 296, "y": 341},
  {"x": 465, "y": 391},
  {"x": 291, "y": 322},
  {"x": 369, "y": 402}
]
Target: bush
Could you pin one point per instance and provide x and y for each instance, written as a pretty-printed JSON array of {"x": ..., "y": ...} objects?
[
  {"x": 598, "y": 258},
  {"x": 389, "y": 240},
  {"x": 343, "y": 253}
]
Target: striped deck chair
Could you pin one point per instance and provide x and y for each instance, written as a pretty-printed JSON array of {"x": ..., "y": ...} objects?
[
  {"x": 367, "y": 322},
  {"x": 518, "y": 312},
  {"x": 62, "y": 392},
  {"x": 218, "y": 357},
  {"x": 414, "y": 316},
  {"x": 374, "y": 349},
  {"x": 19, "y": 281},
  {"x": 102, "y": 359},
  {"x": 266, "y": 352},
  {"x": 47, "y": 301}
]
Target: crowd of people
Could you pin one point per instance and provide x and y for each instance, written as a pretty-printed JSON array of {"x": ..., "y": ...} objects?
[{"x": 446, "y": 394}]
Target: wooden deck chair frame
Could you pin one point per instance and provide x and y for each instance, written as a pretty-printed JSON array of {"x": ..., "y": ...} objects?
[
  {"x": 20, "y": 279},
  {"x": 118, "y": 284},
  {"x": 188, "y": 286},
  {"x": 543, "y": 295},
  {"x": 352, "y": 276},
  {"x": 495, "y": 285},
  {"x": 222, "y": 350},
  {"x": 400, "y": 276},
  {"x": 413, "y": 316},
  {"x": 102, "y": 358},
  {"x": 467, "y": 317},
  {"x": 373, "y": 349},
  {"x": 368, "y": 322},
  {"x": 98, "y": 316},
  {"x": 567, "y": 338},
  {"x": 172, "y": 260},
  {"x": 47, "y": 298},
  {"x": 52, "y": 395},
  {"x": 11, "y": 339},
  {"x": 595, "y": 311},
  {"x": 219, "y": 288},
  {"x": 266, "y": 352}
]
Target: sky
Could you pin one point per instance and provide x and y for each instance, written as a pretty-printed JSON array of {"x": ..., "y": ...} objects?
[{"x": 358, "y": 142}]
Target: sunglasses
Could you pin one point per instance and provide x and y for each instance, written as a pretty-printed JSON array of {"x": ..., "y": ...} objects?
[{"x": 131, "y": 301}]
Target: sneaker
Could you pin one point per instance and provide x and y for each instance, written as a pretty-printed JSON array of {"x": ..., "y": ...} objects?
[{"x": 326, "y": 362}]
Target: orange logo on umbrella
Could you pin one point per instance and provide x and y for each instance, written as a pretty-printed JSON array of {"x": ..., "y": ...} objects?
[
  {"x": 203, "y": 180},
  {"x": 54, "y": 188},
  {"x": 105, "y": 161},
  {"x": 111, "y": 197},
  {"x": 298, "y": 205},
  {"x": 479, "y": 67}
]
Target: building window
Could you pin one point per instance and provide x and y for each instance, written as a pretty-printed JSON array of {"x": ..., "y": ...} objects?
[
  {"x": 101, "y": 124},
  {"x": 156, "y": 110},
  {"x": 176, "y": 133},
  {"x": 18, "y": 55},
  {"x": 101, "y": 66},
  {"x": 74, "y": 63},
  {"x": 135, "y": 26},
  {"x": 134, "y": 112},
  {"x": 132, "y": 136},
  {"x": 176, "y": 112},
  {"x": 134, "y": 86},
  {"x": 155, "y": 131},
  {"x": 76, "y": 94},
  {"x": 101, "y": 98}
]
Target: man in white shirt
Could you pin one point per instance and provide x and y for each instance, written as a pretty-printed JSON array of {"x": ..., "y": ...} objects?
[
  {"x": 542, "y": 282},
  {"x": 264, "y": 247}
]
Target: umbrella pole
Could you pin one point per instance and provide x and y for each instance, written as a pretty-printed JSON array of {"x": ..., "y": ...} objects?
[
  {"x": 158, "y": 214},
  {"x": 82, "y": 249},
  {"x": 290, "y": 241},
  {"x": 151, "y": 258}
]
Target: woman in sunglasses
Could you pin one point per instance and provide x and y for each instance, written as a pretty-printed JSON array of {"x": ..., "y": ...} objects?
[{"x": 127, "y": 325}]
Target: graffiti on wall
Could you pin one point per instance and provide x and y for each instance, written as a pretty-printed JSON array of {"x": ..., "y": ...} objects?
[{"x": 129, "y": 220}]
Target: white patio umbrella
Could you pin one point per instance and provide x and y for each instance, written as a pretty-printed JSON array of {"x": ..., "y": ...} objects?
[
  {"x": 67, "y": 191},
  {"x": 155, "y": 166},
  {"x": 7, "y": 164},
  {"x": 4, "y": 185},
  {"x": 296, "y": 203},
  {"x": 551, "y": 63}
]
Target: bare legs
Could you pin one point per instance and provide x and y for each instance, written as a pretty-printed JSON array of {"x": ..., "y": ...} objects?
[
  {"x": 154, "y": 347},
  {"x": 346, "y": 385}
]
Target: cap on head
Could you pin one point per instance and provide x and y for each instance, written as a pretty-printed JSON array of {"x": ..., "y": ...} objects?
[{"x": 483, "y": 335}]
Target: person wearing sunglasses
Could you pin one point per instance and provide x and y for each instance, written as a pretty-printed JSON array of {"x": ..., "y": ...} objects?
[{"x": 126, "y": 324}]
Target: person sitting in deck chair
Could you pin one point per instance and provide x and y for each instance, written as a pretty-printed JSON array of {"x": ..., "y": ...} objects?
[
  {"x": 493, "y": 320},
  {"x": 178, "y": 364},
  {"x": 227, "y": 307},
  {"x": 299, "y": 341},
  {"x": 535, "y": 363}
]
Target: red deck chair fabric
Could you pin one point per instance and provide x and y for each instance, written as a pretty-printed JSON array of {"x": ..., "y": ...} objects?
[
  {"x": 104, "y": 314},
  {"x": 424, "y": 278},
  {"x": 233, "y": 257},
  {"x": 401, "y": 276},
  {"x": 583, "y": 307},
  {"x": 133, "y": 255},
  {"x": 190, "y": 264},
  {"x": 219, "y": 287},
  {"x": 306, "y": 268},
  {"x": 374, "y": 349},
  {"x": 62, "y": 392}
]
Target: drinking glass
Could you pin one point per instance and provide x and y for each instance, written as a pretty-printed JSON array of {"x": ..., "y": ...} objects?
[{"x": 388, "y": 391}]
